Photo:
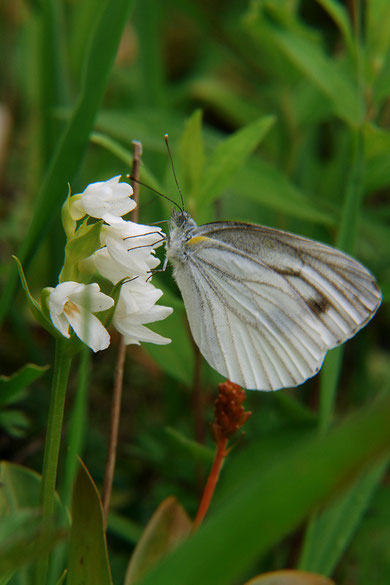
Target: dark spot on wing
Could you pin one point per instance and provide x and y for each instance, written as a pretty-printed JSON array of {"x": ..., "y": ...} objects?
[
  {"x": 318, "y": 305},
  {"x": 285, "y": 271}
]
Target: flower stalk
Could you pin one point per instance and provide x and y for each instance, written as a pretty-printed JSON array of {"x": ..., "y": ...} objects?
[
  {"x": 62, "y": 364},
  {"x": 120, "y": 366},
  {"x": 211, "y": 483},
  {"x": 229, "y": 417}
]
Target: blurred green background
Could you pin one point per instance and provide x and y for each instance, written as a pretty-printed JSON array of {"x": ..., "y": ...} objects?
[{"x": 277, "y": 113}]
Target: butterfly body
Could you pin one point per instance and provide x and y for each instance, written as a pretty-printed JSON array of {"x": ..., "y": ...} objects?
[{"x": 264, "y": 305}]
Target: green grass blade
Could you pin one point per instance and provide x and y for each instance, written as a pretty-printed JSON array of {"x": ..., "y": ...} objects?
[
  {"x": 332, "y": 366},
  {"x": 230, "y": 156},
  {"x": 148, "y": 19},
  {"x": 274, "y": 502},
  {"x": 191, "y": 156},
  {"x": 339, "y": 14},
  {"x": 51, "y": 79},
  {"x": 73, "y": 143},
  {"x": 335, "y": 527},
  {"x": 323, "y": 73}
]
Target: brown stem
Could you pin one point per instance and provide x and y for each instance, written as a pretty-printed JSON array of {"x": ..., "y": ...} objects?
[
  {"x": 114, "y": 429},
  {"x": 137, "y": 153},
  {"x": 211, "y": 483},
  {"x": 120, "y": 365}
]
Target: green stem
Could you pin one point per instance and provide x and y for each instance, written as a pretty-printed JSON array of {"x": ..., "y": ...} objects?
[
  {"x": 346, "y": 241},
  {"x": 52, "y": 445},
  {"x": 77, "y": 425}
]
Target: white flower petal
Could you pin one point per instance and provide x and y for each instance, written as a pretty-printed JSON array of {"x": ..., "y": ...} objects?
[
  {"x": 136, "y": 306},
  {"x": 103, "y": 199},
  {"x": 61, "y": 323},
  {"x": 71, "y": 304},
  {"x": 89, "y": 329},
  {"x": 90, "y": 297},
  {"x": 76, "y": 208},
  {"x": 139, "y": 333},
  {"x": 105, "y": 265}
]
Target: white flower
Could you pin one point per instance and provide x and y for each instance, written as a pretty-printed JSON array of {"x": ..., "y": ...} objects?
[
  {"x": 136, "y": 306},
  {"x": 128, "y": 251},
  {"x": 107, "y": 200},
  {"x": 71, "y": 304}
]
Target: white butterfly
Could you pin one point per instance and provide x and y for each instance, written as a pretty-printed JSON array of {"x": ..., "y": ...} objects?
[{"x": 264, "y": 306}]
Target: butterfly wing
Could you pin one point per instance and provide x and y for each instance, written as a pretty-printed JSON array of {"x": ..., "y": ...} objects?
[{"x": 264, "y": 306}]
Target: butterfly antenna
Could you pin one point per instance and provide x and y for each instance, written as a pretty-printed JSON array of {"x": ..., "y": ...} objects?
[
  {"x": 173, "y": 169},
  {"x": 154, "y": 190}
]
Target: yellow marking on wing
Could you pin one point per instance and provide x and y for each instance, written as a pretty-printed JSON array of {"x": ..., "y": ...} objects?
[{"x": 197, "y": 240}]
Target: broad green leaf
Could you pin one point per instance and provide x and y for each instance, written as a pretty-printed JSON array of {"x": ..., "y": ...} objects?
[
  {"x": 229, "y": 157},
  {"x": 20, "y": 488},
  {"x": 191, "y": 155},
  {"x": 337, "y": 523},
  {"x": 23, "y": 537},
  {"x": 369, "y": 550},
  {"x": 85, "y": 241},
  {"x": 290, "y": 577},
  {"x": 273, "y": 502},
  {"x": 11, "y": 387},
  {"x": 265, "y": 184},
  {"x": 324, "y": 73},
  {"x": 226, "y": 101},
  {"x": 88, "y": 558},
  {"x": 168, "y": 527},
  {"x": 110, "y": 21}
]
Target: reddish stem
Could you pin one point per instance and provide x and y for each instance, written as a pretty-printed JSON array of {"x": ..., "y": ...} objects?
[{"x": 211, "y": 482}]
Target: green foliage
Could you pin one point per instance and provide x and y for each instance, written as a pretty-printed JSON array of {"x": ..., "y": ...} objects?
[
  {"x": 13, "y": 389},
  {"x": 88, "y": 560},
  {"x": 277, "y": 113},
  {"x": 24, "y": 537},
  {"x": 78, "y": 247},
  {"x": 169, "y": 527},
  {"x": 274, "y": 502}
]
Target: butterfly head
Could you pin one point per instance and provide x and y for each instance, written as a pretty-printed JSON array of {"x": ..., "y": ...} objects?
[{"x": 181, "y": 219}]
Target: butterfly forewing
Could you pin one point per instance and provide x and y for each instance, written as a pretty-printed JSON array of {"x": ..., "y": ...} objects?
[{"x": 264, "y": 306}]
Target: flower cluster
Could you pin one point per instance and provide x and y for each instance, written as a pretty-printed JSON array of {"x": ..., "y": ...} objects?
[
  {"x": 229, "y": 413},
  {"x": 125, "y": 254}
]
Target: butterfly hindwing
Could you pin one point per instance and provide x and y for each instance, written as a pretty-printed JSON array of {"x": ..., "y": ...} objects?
[{"x": 264, "y": 306}]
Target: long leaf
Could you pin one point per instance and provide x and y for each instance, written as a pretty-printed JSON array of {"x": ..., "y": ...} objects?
[
  {"x": 88, "y": 558},
  {"x": 229, "y": 157},
  {"x": 324, "y": 73},
  {"x": 73, "y": 143},
  {"x": 168, "y": 527},
  {"x": 273, "y": 503},
  {"x": 334, "y": 528}
]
